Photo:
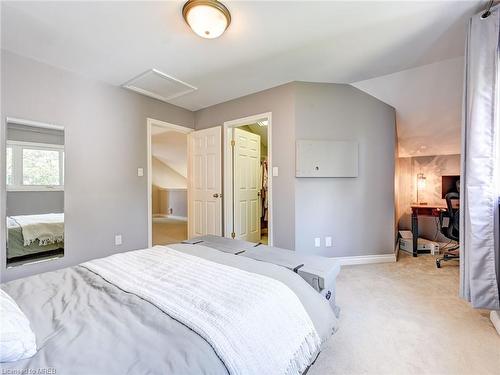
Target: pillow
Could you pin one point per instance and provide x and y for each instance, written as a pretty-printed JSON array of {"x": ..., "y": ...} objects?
[{"x": 17, "y": 340}]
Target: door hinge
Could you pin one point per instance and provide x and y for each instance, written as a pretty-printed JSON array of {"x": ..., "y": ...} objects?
[
  {"x": 233, "y": 143},
  {"x": 233, "y": 235}
]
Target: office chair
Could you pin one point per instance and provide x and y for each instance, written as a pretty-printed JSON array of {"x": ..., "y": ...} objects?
[{"x": 451, "y": 230}]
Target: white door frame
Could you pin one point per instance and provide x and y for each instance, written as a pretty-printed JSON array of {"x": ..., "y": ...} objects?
[
  {"x": 228, "y": 172},
  {"x": 150, "y": 122}
]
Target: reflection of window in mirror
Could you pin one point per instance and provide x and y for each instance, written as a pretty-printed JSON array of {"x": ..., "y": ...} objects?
[
  {"x": 35, "y": 192},
  {"x": 34, "y": 166}
]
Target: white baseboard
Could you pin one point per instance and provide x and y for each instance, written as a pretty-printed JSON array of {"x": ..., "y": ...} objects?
[
  {"x": 366, "y": 259},
  {"x": 183, "y": 218},
  {"x": 180, "y": 218}
]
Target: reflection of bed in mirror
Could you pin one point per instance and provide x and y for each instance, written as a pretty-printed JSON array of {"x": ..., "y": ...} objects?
[{"x": 32, "y": 237}]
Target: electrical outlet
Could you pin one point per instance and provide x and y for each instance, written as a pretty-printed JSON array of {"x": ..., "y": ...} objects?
[
  {"x": 118, "y": 239},
  {"x": 317, "y": 242},
  {"x": 140, "y": 172},
  {"x": 328, "y": 241}
]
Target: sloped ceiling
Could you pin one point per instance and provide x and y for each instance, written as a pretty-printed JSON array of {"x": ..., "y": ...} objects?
[
  {"x": 261, "y": 131},
  {"x": 165, "y": 177},
  {"x": 414, "y": 48},
  {"x": 170, "y": 147},
  {"x": 428, "y": 102},
  {"x": 267, "y": 44}
]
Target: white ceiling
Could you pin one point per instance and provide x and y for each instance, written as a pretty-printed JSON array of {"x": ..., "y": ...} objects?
[
  {"x": 170, "y": 147},
  {"x": 428, "y": 102},
  {"x": 268, "y": 43}
]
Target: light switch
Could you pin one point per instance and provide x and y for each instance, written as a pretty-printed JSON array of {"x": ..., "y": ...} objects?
[
  {"x": 317, "y": 242},
  {"x": 275, "y": 171},
  {"x": 328, "y": 241},
  {"x": 140, "y": 172},
  {"x": 118, "y": 239}
]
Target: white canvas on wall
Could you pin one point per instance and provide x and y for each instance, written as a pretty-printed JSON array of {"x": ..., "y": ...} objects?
[{"x": 326, "y": 158}]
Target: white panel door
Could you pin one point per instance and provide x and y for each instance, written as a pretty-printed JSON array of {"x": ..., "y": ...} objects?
[
  {"x": 246, "y": 191},
  {"x": 205, "y": 182}
]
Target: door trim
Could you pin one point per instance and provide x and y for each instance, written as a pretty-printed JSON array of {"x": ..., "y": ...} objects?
[
  {"x": 150, "y": 122},
  {"x": 228, "y": 172}
]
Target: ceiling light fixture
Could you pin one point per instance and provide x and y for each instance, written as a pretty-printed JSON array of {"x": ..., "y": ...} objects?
[{"x": 207, "y": 18}]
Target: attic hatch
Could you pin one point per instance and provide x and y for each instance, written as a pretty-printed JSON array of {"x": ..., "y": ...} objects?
[{"x": 158, "y": 85}]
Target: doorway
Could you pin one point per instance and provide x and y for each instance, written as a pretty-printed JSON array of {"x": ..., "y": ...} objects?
[
  {"x": 247, "y": 179},
  {"x": 167, "y": 182}
]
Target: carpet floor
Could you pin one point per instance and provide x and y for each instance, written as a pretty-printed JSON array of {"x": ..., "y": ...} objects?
[
  {"x": 406, "y": 318},
  {"x": 167, "y": 231}
]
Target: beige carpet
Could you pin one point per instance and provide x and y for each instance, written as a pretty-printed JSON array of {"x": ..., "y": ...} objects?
[
  {"x": 264, "y": 239},
  {"x": 405, "y": 318},
  {"x": 168, "y": 230}
]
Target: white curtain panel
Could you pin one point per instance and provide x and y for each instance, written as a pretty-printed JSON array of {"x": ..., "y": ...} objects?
[{"x": 480, "y": 169}]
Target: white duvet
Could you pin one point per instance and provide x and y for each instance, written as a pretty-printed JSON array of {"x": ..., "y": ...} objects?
[
  {"x": 255, "y": 324},
  {"x": 46, "y": 228}
]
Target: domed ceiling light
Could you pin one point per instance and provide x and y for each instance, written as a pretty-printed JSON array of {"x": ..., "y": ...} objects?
[{"x": 207, "y": 18}]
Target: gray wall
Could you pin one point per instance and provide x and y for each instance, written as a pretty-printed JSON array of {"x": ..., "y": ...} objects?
[
  {"x": 34, "y": 202},
  {"x": 279, "y": 101},
  {"x": 358, "y": 213},
  {"x": 105, "y": 143},
  {"x": 177, "y": 201},
  {"x": 105, "y": 131}
]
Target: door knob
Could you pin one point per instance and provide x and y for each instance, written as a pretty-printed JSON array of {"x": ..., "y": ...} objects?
[{"x": 217, "y": 195}]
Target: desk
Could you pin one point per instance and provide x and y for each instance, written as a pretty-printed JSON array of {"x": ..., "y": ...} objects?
[{"x": 423, "y": 210}]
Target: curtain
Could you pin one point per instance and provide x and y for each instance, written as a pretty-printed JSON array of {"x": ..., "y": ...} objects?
[{"x": 480, "y": 169}]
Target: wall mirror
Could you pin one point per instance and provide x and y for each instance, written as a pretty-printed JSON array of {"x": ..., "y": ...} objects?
[{"x": 35, "y": 192}]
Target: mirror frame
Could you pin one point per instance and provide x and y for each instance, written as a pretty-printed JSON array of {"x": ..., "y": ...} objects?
[{"x": 38, "y": 124}]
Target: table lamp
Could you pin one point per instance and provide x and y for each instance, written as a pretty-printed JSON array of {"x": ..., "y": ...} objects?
[{"x": 421, "y": 184}]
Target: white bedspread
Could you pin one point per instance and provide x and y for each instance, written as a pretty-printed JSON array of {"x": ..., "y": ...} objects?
[
  {"x": 46, "y": 228},
  {"x": 255, "y": 324}
]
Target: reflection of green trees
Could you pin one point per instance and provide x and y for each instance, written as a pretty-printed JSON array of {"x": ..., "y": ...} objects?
[
  {"x": 40, "y": 167},
  {"x": 9, "y": 165}
]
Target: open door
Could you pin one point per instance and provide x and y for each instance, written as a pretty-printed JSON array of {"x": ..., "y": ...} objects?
[
  {"x": 246, "y": 185},
  {"x": 205, "y": 182}
]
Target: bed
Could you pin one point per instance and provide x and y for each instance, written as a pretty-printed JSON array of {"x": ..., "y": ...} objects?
[
  {"x": 18, "y": 249},
  {"x": 101, "y": 317}
]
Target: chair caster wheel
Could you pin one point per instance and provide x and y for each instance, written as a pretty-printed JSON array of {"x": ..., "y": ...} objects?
[{"x": 438, "y": 263}]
